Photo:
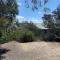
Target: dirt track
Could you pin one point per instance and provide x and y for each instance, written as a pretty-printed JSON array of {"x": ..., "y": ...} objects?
[{"x": 32, "y": 51}]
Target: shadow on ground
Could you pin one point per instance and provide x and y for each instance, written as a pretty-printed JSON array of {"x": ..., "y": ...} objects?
[{"x": 3, "y": 51}]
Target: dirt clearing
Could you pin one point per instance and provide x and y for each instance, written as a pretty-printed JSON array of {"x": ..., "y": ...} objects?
[{"x": 32, "y": 51}]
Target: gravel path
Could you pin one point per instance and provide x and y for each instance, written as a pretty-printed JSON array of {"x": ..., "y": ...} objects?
[{"x": 32, "y": 51}]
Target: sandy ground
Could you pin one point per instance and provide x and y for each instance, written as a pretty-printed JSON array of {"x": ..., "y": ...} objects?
[{"x": 32, "y": 51}]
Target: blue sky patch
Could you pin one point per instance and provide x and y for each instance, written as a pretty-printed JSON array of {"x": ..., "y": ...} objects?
[{"x": 26, "y": 14}]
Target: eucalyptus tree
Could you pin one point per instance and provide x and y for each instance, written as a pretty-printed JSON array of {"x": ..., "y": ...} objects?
[
  {"x": 8, "y": 7},
  {"x": 35, "y": 4},
  {"x": 52, "y": 21},
  {"x": 8, "y": 11},
  {"x": 56, "y": 14}
]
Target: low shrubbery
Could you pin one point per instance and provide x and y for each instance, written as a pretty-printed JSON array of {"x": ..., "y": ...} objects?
[
  {"x": 25, "y": 36},
  {"x": 25, "y": 32},
  {"x": 21, "y": 34}
]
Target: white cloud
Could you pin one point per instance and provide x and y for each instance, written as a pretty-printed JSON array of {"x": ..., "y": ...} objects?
[
  {"x": 39, "y": 12},
  {"x": 20, "y": 18},
  {"x": 19, "y": 3},
  {"x": 34, "y": 20}
]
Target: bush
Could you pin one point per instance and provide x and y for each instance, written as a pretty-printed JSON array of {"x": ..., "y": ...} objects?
[
  {"x": 24, "y": 36},
  {"x": 25, "y": 32}
]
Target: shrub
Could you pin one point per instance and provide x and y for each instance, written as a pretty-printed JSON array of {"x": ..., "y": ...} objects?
[
  {"x": 27, "y": 37},
  {"x": 24, "y": 35}
]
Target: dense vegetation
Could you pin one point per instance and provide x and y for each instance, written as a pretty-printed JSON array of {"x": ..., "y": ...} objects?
[
  {"x": 8, "y": 11},
  {"x": 11, "y": 29},
  {"x": 52, "y": 21}
]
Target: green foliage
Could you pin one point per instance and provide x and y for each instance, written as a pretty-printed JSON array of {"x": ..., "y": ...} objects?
[
  {"x": 25, "y": 32},
  {"x": 52, "y": 21},
  {"x": 8, "y": 7},
  {"x": 24, "y": 35},
  {"x": 31, "y": 26},
  {"x": 10, "y": 31},
  {"x": 8, "y": 11}
]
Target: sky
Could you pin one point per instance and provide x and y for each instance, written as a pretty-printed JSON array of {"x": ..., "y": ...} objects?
[{"x": 27, "y": 14}]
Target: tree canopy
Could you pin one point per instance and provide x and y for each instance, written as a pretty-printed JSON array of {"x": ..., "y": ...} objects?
[
  {"x": 8, "y": 8},
  {"x": 35, "y": 3},
  {"x": 52, "y": 20},
  {"x": 8, "y": 11}
]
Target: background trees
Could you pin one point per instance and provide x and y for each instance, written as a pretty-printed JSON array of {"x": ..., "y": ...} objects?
[
  {"x": 52, "y": 21},
  {"x": 11, "y": 29},
  {"x": 27, "y": 32}
]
